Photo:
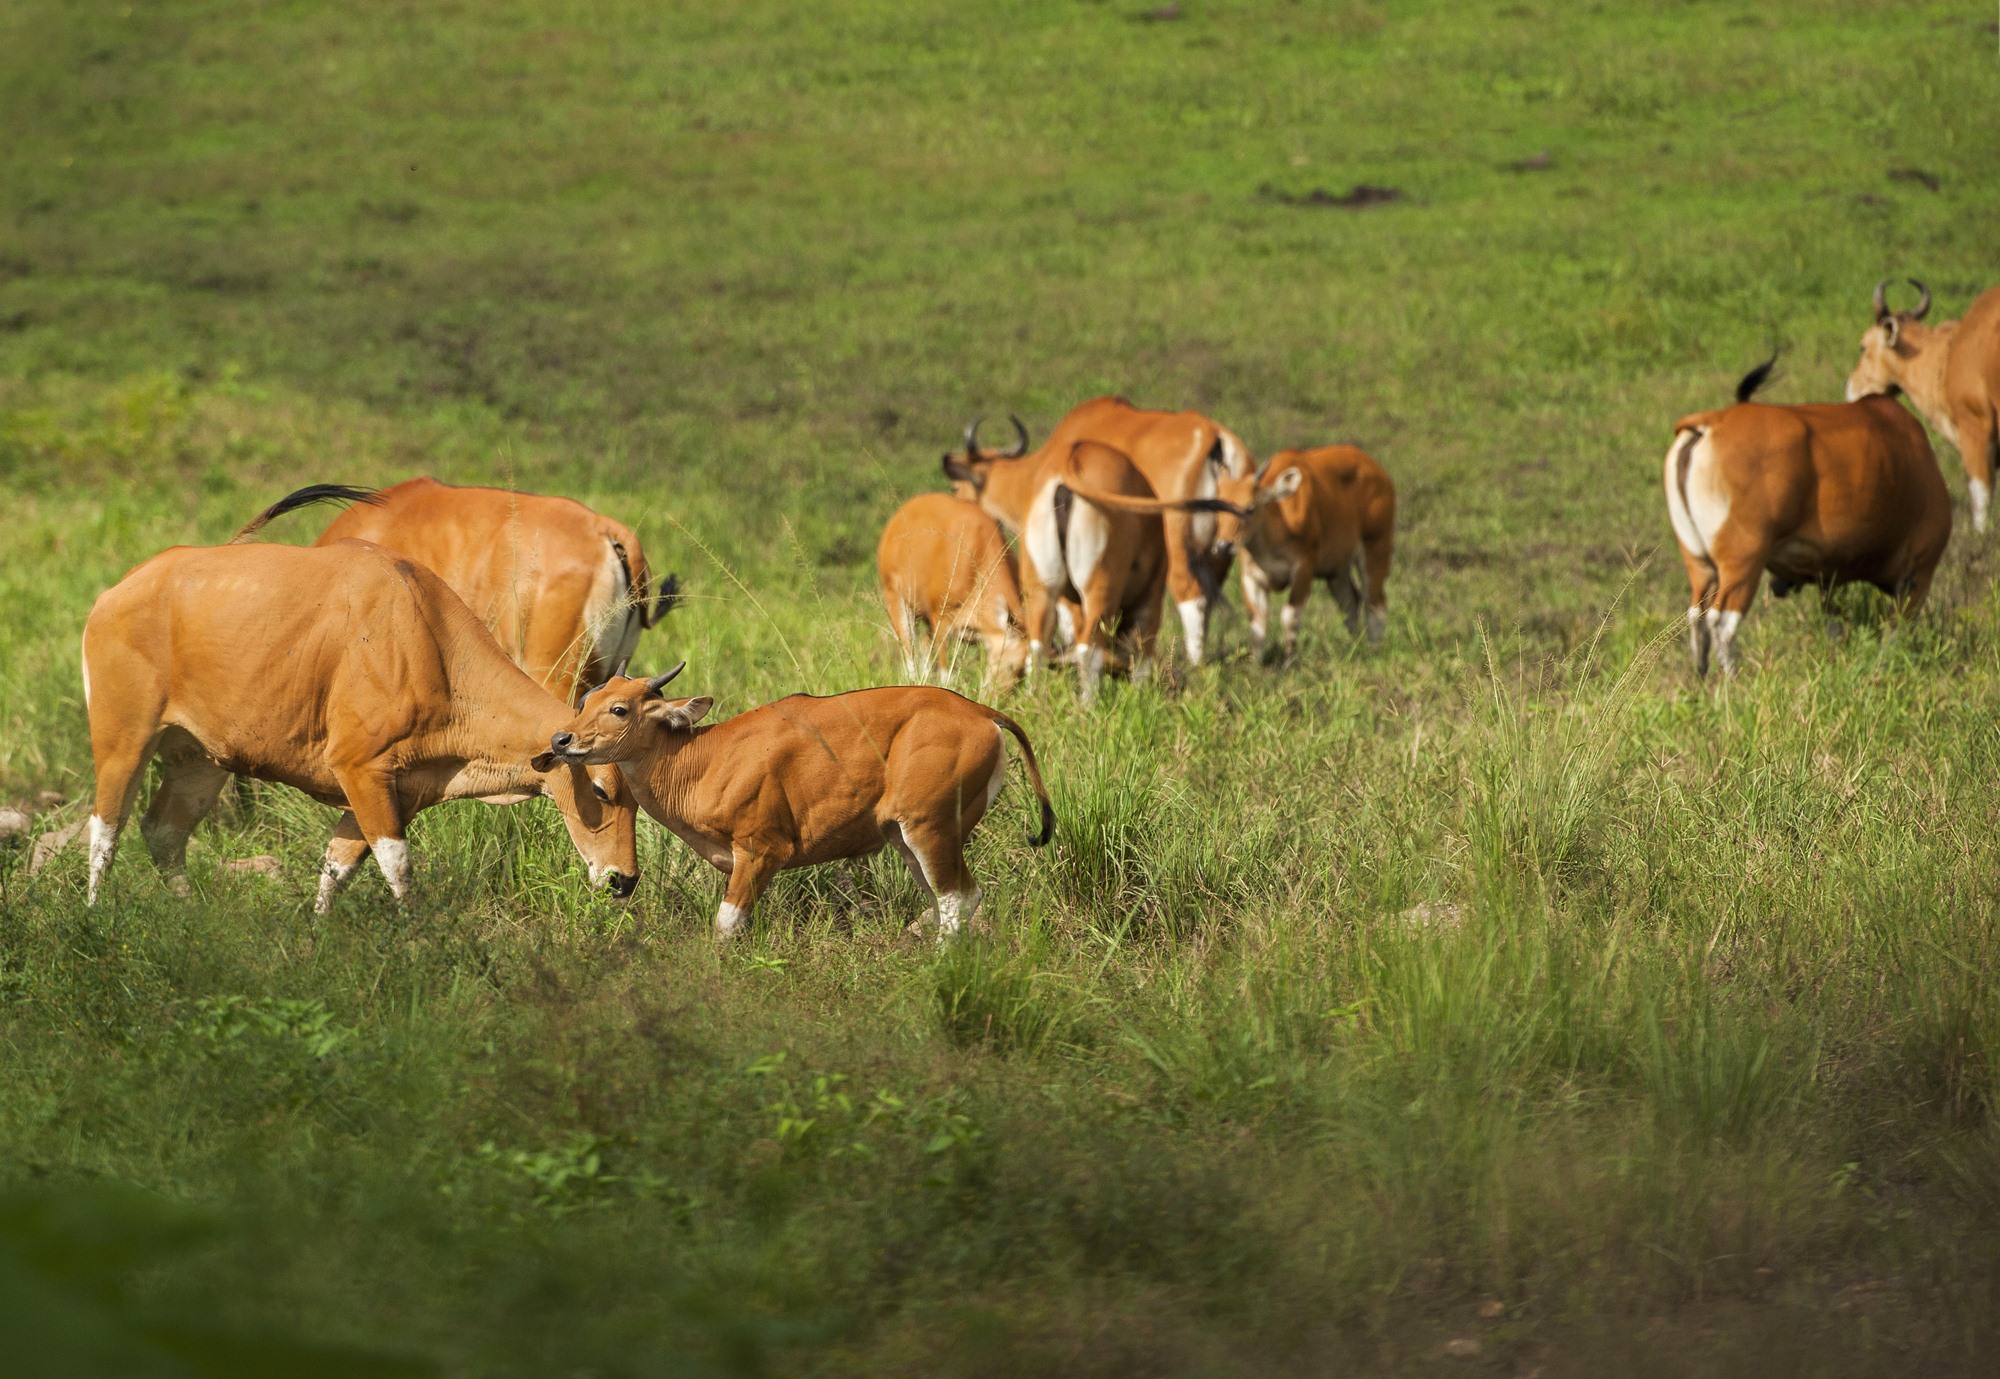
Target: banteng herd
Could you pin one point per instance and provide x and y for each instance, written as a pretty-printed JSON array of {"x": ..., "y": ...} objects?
[{"x": 440, "y": 643}]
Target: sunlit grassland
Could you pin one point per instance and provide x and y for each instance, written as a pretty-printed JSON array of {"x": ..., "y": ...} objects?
[{"x": 1500, "y": 963}]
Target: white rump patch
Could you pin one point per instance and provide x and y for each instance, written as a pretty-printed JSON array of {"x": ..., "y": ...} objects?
[
  {"x": 1089, "y": 535},
  {"x": 1700, "y": 507},
  {"x": 83, "y": 659},
  {"x": 1042, "y": 543},
  {"x": 612, "y": 620}
]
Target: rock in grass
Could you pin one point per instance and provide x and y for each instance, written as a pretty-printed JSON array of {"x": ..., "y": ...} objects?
[
  {"x": 1434, "y": 914},
  {"x": 264, "y": 864},
  {"x": 50, "y": 799},
  {"x": 49, "y": 844},
  {"x": 14, "y": 823}
]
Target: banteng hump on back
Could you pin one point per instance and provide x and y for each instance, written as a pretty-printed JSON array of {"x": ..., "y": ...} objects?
[
  {"x": 1825, "y": 494},
  {"x": 1951, "y": 371},
  {"x": 1328, "y": 513},
  {"x": 346, "y": 671},
  {"x": 808, "y": 780}
]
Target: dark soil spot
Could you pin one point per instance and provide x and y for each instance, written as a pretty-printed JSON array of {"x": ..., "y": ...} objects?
[
  {"x": 1928, "y": 179},
  {"x": 395, "y": 212},
  {"x": 1538, "y": 161},
  {"x": 1358, "y": 197},
  {"x": 1160, "y": 15}
]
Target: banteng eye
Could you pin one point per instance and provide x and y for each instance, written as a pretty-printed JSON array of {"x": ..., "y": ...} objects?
[
  {"x": 599, "y": 791},
  {"x": 619, "y": 711}
]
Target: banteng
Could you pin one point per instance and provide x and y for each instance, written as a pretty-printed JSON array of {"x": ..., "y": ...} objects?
[
  {"x": 1327, "y": 513},
  {"x": 1951, "y": 371},
  {"x": 942, "y": 562},
  {"x": 808, "y": 779},
  {"x": 1828, "y": 494},
  {"x": 346, "y": 671}
]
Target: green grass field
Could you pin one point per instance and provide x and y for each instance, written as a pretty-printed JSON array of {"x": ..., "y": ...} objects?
[{"x": 1498, "y": 1000}]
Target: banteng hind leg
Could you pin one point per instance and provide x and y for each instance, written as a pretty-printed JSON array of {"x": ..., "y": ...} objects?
[
  {"x": 344, "y": 851},
  {"x": 1341, "y": 584},
  {"x": 189, "y": 785},
  {"x": 936, "y": 857},
  {"x": 1738, "y": 571},
  {"x": 120, "y": 747}
]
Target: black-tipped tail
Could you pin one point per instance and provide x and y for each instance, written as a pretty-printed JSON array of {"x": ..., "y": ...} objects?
[
  {"x": 305, "y": 498},
  {"x": 1008, "y": 725},
  {"x": 1755, "y": 379},
  {"x": 1048, "y": 827}
]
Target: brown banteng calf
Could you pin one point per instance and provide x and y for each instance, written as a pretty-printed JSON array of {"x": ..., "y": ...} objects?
[
  {"x": 1182, "y": 455},
  {"x": 1327, "y": 513},
  {"x": 563, "y": 589},
  {"x": 943, "y": 562},
  {"x": 1090, "y": 531},
  {"x": 346, "y": 671},
  {"x": 1829, "y": 494},
  {"x": 1951, "y": 371},
  {"x": 808, "y": 779}
]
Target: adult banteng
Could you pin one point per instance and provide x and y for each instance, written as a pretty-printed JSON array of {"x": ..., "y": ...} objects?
[
  {"x": 1951, "y": 371},
  {"x": 1327, "y": 513},
  {"x": 1090, "y": 532},
  {"x": 1827, "y": 494},
  {"x": 943, "y": 562},
  {"x": 563, "y": 589},
  {"x": 1183, "y": 455},
  {"x": 808, "y": 779},
  {"x": 346, "y": 671}
]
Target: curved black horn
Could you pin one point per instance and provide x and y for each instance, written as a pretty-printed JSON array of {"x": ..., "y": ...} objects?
[
  {"x": 654, "y": 685},
  {"x": 972, "y": 437},
  {"x": 1882, "y": 300},
  {"x": 1020, "y": 439},
  {"x": 1917, "y": 312}
]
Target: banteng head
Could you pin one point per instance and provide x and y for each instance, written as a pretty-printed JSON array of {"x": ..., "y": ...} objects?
[
  {"x": 1890, "y": 345},
  {"x": 621, "y": 720},
  {"x": 598, "y": 809},
  {"x": 968, "y": 469}
]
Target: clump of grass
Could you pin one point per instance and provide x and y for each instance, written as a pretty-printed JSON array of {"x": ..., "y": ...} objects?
[{"x": 984, "y": 996}]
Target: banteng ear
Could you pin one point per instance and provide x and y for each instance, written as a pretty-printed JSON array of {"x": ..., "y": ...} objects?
[
  {"x": 1283, "y": 487},
  {"x": 677, "y": 717},
  {"x": 541, "y": 761},
  {"x": 959, "y": 472},
  {"x": 1892, "y": 331}
]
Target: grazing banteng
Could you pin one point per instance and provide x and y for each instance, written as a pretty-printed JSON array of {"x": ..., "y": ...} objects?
[
  {"x": 1327, "y": 513},
  {"x": 1951, "y": 371},
  {"x": 1090, "y": 531},
  {"x": 808, "y": 779},
  {"x": 1182, "y": 455},
  {"x": 346, "y": 671},
  {"x": 563, "y": 589},
  {"x": 943, "y": 562},
  {"x": 1829, "y": 494}
]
